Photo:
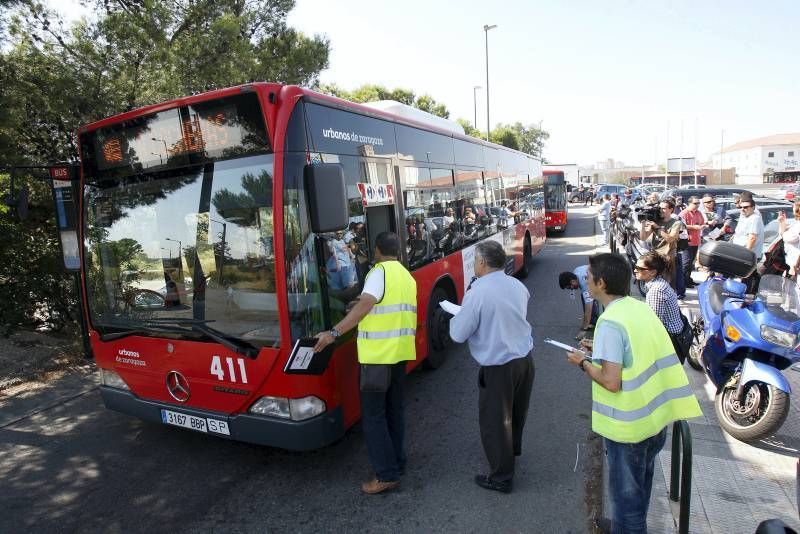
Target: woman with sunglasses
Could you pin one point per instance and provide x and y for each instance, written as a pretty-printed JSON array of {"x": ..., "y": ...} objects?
[{"x": 660, "y": 297}]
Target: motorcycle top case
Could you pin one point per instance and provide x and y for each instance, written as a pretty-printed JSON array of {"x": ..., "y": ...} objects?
[{"x": 726, "y": 258}]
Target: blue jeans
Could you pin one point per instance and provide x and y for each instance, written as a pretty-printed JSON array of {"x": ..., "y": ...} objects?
[
  {"x": 383, "y": 422},
  {"x": 604, "y": 229},
  {"x": 630, "y": 480},
  {"x": 680, "y": 283}
]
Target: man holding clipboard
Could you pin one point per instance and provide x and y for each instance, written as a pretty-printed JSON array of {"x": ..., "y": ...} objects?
[
  {"x": 386, "y": 315},
  {"x": 638, "y": 388}
]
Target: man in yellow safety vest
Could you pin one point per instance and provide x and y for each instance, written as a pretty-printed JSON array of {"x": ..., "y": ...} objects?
[
  {"x": 386, "y": 315},
  {"x": 638, "y": 388}
]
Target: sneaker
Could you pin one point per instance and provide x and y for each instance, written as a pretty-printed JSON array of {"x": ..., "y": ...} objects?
[
  {"x": 487, "y": 483},
  {"x": 375, "y": 486}
]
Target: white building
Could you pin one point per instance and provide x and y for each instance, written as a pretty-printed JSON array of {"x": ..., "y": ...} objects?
[{"x": 775, "y": 158}]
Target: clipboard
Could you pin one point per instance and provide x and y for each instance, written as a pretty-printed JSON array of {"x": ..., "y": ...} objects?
[
  {"x": 304, "y": 361},
  {"x": 560, "y": 345}
]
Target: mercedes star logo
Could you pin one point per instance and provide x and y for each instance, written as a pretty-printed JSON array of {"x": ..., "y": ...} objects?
[{"x": 178, "y": 386}]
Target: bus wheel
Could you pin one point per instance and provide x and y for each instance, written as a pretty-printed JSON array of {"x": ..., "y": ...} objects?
[
  {"x": 527, "y": 254},
  {"x": 438, "y": 330}
]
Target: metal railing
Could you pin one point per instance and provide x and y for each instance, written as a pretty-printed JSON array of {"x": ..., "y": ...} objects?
[{"x": 681, "y": 470}]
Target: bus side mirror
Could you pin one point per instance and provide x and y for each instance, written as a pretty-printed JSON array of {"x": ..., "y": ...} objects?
[{"x": 327, "y": 197}]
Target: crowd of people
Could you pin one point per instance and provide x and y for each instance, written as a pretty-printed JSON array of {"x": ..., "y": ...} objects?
[{"x": 678, "y": 229}]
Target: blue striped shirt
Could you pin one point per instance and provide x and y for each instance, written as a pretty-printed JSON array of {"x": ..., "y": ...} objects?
[{"x": 493, "y": 319}]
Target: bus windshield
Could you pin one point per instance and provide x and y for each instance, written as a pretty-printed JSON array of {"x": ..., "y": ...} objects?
[
  {"x": 190, "y": 245},
  {"x": 555, "y": 196}
]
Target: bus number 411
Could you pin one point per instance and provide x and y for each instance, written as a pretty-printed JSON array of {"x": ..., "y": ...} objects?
[{"x": 219, "y": 371}]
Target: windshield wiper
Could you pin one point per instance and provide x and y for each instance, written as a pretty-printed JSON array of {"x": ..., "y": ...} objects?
[
  {"x": 136, "y": 331},
  {"x": 199, "y": 325}
]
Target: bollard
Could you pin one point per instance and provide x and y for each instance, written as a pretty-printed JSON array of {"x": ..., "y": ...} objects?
[{"x": 681, "y": 467}]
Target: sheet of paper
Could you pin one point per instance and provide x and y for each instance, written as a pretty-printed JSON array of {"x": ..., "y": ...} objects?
[
  {"x": 449, "y": 307},
  {"x": 303, "y": 358},
  {"x": 560, "y": 345}
]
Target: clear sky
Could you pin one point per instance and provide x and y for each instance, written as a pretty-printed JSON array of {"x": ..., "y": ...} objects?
[{"x": 606, "y": 78}]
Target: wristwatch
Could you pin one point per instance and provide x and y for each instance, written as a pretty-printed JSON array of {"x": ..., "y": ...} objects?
[
  {"x": 583, "y": 361},
  {"x": 334, "y": 333}
]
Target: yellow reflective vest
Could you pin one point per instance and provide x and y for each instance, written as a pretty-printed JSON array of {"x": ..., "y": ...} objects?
[
  {"x": 655, "y": 390},
  {"x": 388, "y": 332}
]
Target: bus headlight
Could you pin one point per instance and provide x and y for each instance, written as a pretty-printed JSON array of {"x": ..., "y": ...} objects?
[
  {"x": 306, "y": 408},
  {"x": 294, "y": 409},
  {"x": 111, "y": 379},
  {"x": 777, "y": 337}
]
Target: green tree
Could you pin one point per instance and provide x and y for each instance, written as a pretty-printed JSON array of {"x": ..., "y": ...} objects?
[
  {"x": 373, "y": 93},
  {"x": 135, "y": 54},
  {"x": 506, "y": 136},
  {"x": 132, "y": 53},
  {"x": 469, "y": 129}
]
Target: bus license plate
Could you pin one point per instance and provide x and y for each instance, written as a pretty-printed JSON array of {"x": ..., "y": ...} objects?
[{"x": 194, "y": 423}]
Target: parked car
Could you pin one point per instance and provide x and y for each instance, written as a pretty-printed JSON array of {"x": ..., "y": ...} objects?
[
  {"x": 576, "y": 195},
  {"x": 792, "y": 192},
  {"x": 609, "y": 189},
  {"x": 728, "y": 203},
  {"x": 685, "y": 192}
]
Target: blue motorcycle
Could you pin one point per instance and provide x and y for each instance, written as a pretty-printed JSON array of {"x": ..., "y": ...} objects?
[{"x": 743, "y": 344}]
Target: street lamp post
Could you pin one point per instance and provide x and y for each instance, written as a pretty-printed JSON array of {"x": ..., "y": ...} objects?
[
  {"x": 168, "y": 250},
  {"x": 475, "y": 104},
  {"x": 486, "y": 29},
  {"x": 222, "y": 250},
  {"x": 541, "y": 142},
  {"x": 180, "y": 247},
  {"x": 721, "y": 149},
  {"x": 166, "y": 150}
]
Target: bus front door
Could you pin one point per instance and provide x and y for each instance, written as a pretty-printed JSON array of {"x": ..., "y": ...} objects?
[{"x": 379, "y": 219}]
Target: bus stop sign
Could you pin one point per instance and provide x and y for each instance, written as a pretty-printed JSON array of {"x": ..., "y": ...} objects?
[{"x": 65, "y": 194}]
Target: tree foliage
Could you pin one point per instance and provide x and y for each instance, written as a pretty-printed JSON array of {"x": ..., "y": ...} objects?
[
  {"x": 137, "y": 52},
  {"x": 373, "y": 93},
  {"x": 54, "y": 79}
]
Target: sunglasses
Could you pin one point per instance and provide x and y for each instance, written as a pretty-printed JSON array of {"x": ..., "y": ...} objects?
[
  {"x": 639, "y": 269},
  {"x": 708, "y": 202},
  {"x": 745, "y": 207}
]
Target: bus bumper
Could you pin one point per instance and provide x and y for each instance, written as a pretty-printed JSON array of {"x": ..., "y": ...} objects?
[{"x": 305, "y": 435}]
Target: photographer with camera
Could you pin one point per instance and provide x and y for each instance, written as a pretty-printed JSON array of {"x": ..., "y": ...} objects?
[{"x": 665, "y": 231}]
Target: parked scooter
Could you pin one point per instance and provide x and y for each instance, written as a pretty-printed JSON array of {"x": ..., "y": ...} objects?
[{"x": 743, "y": 344}]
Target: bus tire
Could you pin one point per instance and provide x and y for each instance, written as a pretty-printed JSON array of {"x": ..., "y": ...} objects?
[
  {"x": 438, "y": 325},
  {"x": 527, "y": 255}
]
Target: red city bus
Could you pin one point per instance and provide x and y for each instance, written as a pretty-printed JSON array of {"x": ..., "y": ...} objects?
[
  {"x": 555, "y": 200},
  {"x": 201, "y": 268}
]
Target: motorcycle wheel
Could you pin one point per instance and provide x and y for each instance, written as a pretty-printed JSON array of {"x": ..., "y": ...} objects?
[
  {"x": 695, "y": 357},
  {"x": 760, "y": 414}
]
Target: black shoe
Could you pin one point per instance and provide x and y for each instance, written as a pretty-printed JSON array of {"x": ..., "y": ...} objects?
[
  {"x": 603, "y": 525},
  {"x": 487, "y": 483}
]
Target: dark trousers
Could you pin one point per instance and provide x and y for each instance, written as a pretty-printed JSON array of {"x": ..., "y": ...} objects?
[
  {"x": 689, "y": 255},
  {"x": 630, "y": 481},
  {"x": 680, "y": 285},
  {"x": 504, "y": 395},
  {"x": 383, "y": 421}
]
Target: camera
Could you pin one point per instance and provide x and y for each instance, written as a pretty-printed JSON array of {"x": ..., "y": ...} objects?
[
  {"x": 623, "y": 211},
  {"x": 648, "y": 213}
]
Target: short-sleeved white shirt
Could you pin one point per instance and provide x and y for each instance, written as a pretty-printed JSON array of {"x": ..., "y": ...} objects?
[
  {"x": 750, "y": 225},
  {"x": 375, "y": 284}
]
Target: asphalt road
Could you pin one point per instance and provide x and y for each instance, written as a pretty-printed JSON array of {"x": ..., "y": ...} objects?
[{"x": 80, "y": 468}]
